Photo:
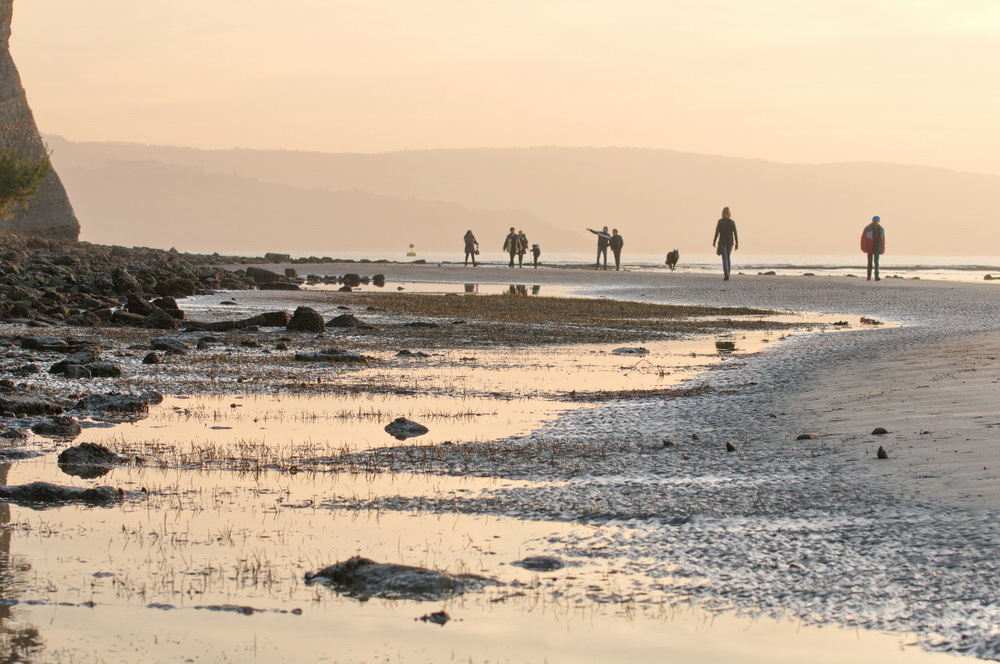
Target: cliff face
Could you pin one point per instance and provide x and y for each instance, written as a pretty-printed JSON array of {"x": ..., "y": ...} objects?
[{"x": 49, "y": 214}]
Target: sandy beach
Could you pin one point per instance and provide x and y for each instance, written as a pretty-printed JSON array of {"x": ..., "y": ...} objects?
[{"x": 735, "y": 512}]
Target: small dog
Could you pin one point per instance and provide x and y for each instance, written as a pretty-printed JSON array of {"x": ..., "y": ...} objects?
[{"x": 672, "y": 258}]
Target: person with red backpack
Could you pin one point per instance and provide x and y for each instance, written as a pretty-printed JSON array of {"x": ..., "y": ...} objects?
[{"x": 873, "y": 244}]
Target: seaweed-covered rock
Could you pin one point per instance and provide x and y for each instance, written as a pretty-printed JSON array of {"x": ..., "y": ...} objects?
[
  {"x": 540, "y": 563},
  {"x": 28, "y": 405},
  {"x": 63, "y": 426},
  {"x": 332, "y": 355},
  {"x": 169, "y": 345},
  {"x": 364, "y": 578},
  {"x": 88, "y": 460},
  {"x": 40, "y": 494},
  {"x": 120, "y": 403},
  {"x": 402, "y": 428}
]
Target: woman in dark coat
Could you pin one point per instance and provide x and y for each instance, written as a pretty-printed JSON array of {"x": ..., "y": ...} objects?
[
  {"x": 471, "y": 248},
  {"x": 728, "y": 240}
]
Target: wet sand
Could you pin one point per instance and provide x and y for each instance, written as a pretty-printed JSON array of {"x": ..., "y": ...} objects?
[
  {"x": 932, "y": 378},
  {"x": 819, "y": 529}
]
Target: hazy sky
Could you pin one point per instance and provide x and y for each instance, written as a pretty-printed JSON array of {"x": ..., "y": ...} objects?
[{"x": 907, "y": 81}]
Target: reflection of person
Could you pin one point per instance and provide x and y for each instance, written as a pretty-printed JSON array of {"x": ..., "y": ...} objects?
[
  {"x": 728, "y": 240},
  {"x": 603, "y": 240},
  {"x": 510, "y": 245},
  {"x": 522, "y": 247},
  {"x": 536, "y": 251},
  {"x": 616, "y": 242},
  {"x": 471, "y": 248},
  {"x": 873, "y": 244}
]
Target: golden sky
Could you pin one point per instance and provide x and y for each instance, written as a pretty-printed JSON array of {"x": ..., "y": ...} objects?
[{"x": 905, "y": 81}]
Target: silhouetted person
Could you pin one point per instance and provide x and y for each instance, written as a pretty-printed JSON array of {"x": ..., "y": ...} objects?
[
  {"x": 728, "y": 240},
  {"x": 873, "y": 244},
  {"x": 603, "y": 240},
  {"x": 616, "y": 243},
  {"x": 510, "y": 245},
  {"x": 522, "y": 247},
  {"x": 471, "y": 248},
  {"x": 536, "y": 251}
]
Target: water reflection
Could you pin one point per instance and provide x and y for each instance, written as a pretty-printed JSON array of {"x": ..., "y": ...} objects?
[{"x": 18, "y": 642}]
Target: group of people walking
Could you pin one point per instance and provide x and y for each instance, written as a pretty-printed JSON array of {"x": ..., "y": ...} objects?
[{"x": 726, "y": 240}]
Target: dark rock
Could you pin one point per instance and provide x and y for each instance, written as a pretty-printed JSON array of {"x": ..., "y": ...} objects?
[
  {"x": 879, "y": 431},
  {"x": 165, "y": 303},
  {"x": 363, "y": 578},
  {"x": 160, "y": 320},
  {"x": 540, "y": 563},
  {"x": 881, "y": 453},
  {"x": 124, "y": 282},
  {"x": 58, "y": 427},
  {"x": 135, "y": 304},
  {"x": 88, "y": 460},
  {"x": 26, "y": 405},
  {"x": 344, "y": 320},
  {"x": 120, "y": 403},
  {"x": 169, "y": 345},
  {"x": 410, "y": 353},
  {"x": 153, "y": 358},
  {"x": 438, "y": 617},
  {"x": 379, "y": 280},
  {"x": 306, "y": 319},
  {"x": 806, "y": 436},
  {"x": 332, "y": 355},
  {"x": 279, "y": 285},
  {"x": 352, "y": 280},
  {"x": 422, "y": 324},
  {"x": 43, "y": 494},
  {"x": 291, "y": 273},
  {"x": 262, "y": 276},
  {"x": 637, "y": 351},
  {"x": 77, "y": 372},
  {"x": 46, "y": 344},
  {"x": 26, "y": 370},
  {"x": 104, "y": 369},
  {"x": 730, "y": 447},
  {"x": 402, "y": 428},
  {"x": 120, "y": 317},
  {"x": 82, "y": 357}
]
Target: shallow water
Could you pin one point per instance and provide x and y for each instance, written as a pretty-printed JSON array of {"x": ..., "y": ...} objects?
[{"x": 210, "y": 567}]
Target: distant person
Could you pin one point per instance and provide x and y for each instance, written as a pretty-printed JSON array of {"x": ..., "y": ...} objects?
[
  {"x": 603, "y": 240},
  {"x": 536, "y": 251},
  {"x": 522, "y": 247},
  {"x": 726, "y": 239},
  {"x": 873, "y": 244},
  {"x": 471, "y": 248},
  {"x": 672, "y": 258},
  {"x": 616, "y": 243},
  {"x": 510, "y": 245}
]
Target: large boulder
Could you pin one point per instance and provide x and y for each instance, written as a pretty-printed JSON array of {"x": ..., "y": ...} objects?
[{"x": 306, "y": 319}]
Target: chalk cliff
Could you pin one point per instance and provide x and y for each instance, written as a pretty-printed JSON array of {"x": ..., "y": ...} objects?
[{"x": 49, "y": 214}]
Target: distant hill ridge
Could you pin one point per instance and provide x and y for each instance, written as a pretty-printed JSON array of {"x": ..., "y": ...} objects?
[{"x": 659, "y": 199}]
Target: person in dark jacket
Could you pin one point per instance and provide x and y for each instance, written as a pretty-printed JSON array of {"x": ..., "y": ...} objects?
[
  {"x": 603, "y": 240},
  {"x": 873, "y": 244},
  {"x": 511, "y": 244},
  {"x": 726, "y": 239},
  {"x": 616, "y": 243},
  {"x": 522, "y": 247},
  {"x": 471, "y": 248}
]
